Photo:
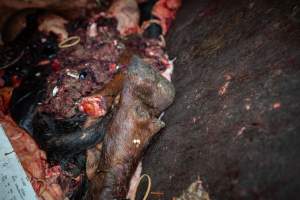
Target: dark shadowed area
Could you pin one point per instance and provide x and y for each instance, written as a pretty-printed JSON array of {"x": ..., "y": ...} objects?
[{"x": 236, "y": 119}]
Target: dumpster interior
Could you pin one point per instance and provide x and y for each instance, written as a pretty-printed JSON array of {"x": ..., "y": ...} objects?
[{"x": 153, "y": 99}]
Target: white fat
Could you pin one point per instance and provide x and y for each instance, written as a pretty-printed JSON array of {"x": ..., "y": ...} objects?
[
  {"x": 73, "y": 75},
  {"x": 92, "y": 30},
  {"x": 54, "y": 91}
]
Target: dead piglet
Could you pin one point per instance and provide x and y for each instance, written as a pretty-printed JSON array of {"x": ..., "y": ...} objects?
[
  {"x": 61, "y": 137},
  {"x": 145, "y": 94},
  {"x": 51, "y": 23},
  {"x": 127, "y": 14}
]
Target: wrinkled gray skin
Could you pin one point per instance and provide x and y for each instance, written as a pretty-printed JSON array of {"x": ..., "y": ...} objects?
[{"x": 144, "y": 96}]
